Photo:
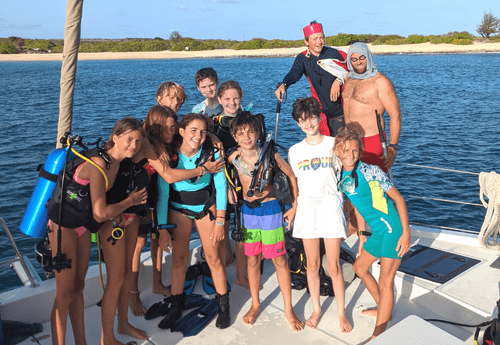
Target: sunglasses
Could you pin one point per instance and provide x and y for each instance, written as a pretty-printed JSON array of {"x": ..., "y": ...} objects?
[{"x": 361, "y": 58}]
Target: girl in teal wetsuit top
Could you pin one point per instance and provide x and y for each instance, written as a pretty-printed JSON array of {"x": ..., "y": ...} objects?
[
  {"x": 202, "y": 201},
  {"x": 368, "y": 189}
]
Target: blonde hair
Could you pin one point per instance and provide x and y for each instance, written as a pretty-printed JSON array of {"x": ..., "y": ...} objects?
[
  {"x": 165, "y": 88},
  {"x": 348, "y": 135}
]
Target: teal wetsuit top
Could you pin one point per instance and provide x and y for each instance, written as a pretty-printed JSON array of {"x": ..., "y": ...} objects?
[
  {"x": 162, "y": 203},
  {"x": 371, "y": 200},
  {"x": 219, "y": 180}
]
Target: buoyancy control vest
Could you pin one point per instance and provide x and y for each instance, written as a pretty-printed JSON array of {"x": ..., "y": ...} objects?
[
  {"x": 77, "y": 203},
  {"x": 204, "y": 196},
  {"x": 281, "y": 184},
  {"x": 130, "y": 175}
]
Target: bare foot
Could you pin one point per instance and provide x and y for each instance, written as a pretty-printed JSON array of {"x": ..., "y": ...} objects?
[
  {"x": 124, "y": 327},
  {"x": 135, "y": 304},
  {"x": 293, "y": 322},
  {"x": 345, "y": 325},
  {"x": 372, "y": 312},
  {"x": 313, "y": 321},
  {"x": 161, "y": 290},
  {"x": 111, "y": 342},
  {"x": 250, "y": 317}
]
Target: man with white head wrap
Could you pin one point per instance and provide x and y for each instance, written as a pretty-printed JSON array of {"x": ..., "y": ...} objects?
[{"x": 368, "y": 91}]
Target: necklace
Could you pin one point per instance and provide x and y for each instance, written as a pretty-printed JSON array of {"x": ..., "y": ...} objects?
[{"x": 189, "y": 158}]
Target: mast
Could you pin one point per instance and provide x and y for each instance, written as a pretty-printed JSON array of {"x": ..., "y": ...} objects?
[{"x": 72, "y": 33}]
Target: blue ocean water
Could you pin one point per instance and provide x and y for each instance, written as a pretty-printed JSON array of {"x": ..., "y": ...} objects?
[{"x": 450, "y": 106}]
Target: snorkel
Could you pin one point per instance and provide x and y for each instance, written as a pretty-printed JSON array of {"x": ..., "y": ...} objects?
[{"x": 382, "y": 141}]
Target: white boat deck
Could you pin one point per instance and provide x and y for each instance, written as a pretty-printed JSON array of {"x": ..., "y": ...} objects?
[{"x": 469, "y": 298}]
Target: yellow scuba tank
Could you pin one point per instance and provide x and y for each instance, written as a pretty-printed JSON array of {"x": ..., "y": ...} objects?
[{"x": 34, "y": 221}]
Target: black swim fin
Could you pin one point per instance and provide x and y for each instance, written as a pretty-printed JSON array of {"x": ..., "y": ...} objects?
[{"x": 194, "y": 322}]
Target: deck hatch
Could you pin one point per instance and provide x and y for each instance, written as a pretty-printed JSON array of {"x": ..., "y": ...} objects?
[{"x": 434, "y": 265}]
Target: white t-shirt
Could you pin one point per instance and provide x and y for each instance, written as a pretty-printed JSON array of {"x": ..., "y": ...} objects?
[{"x": 319, "y": 204}]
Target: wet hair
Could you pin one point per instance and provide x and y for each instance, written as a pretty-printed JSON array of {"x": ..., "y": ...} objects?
[
  {"x": 185, "y": 121},
  {"x": 205, "y": 73},
  {"x": 154, "y": 124},
  {"x": 123, "y": 126},
  {"x": 165, "y": 88},
  {"x": 306, "y": 107},
  {"x": 228, "y": 85},
  {"x": 246, "y": 118},
  {"x": 348, "y": 135}
]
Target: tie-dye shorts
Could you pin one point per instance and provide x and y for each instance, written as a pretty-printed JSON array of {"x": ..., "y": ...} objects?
[{"x": 263, "y": 229}]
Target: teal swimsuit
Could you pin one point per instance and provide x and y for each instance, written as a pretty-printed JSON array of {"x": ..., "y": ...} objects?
[
  {"x": 371, "y": 201},
  {"x": 219, "y": 180}
]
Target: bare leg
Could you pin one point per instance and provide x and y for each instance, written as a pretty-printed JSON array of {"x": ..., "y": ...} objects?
[
  {"x": 135, "y": 304},
  {"x": 254, "y": 280},
  {"x": 124, "y": 327},
  {"x": 311, "y": 247},
  {"x": 332, "y": 246},
  {"x": 204, "y": 227},
  {"x": 388, "y": 269},
  {"x": 284, "y": 280},
  {"x": 69, "y": 293},
  {"x": 225, "y": 247},
  {"x": 157, "y": 257},
  {"x": 382, "y": 293},
  {"x": 180, "y": 253},
  {"x": 241, "y": 265},
  {"x": 114, "y": 257}
]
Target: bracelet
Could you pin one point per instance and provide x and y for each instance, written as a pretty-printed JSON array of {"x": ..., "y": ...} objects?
[
  {"x": 204, "y": 168},
  {"x": 220, "y": 223},
  {"x": 363, "y": 233}
]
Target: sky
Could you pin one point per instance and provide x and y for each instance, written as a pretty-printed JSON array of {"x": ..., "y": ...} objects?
[{"x": 242, "y": 19}]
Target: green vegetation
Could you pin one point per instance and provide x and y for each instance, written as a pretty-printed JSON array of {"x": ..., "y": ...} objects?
[
  {"x": 489, "y": 25},
  {"x": 7, "y": 48},
  {"x": 176, "y": 42},
  {"x": 39, "y": 44}
]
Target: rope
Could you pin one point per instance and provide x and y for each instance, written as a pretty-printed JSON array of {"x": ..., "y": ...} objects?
[
  {"x": 490, "y": 187},
  {"x": 443, "y": 169}
]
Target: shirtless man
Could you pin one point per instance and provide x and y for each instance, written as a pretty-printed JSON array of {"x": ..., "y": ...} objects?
[{"x": 366, "y": 91}]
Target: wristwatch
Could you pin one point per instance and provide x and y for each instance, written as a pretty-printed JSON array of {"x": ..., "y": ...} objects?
[{"x": 394, "y": 146}]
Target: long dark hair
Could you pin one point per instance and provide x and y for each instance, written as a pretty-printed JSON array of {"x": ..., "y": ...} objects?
[{"x": 154, "y": 124}]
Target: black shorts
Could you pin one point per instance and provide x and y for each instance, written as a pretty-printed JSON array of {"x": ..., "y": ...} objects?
[
  {"x": 336, "y": 125},
  {"x": 230, "y": 209},
  {"x": 144, "y": 228}
]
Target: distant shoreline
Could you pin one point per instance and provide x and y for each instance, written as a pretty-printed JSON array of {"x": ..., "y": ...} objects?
[{"x": 423, "y": 48}]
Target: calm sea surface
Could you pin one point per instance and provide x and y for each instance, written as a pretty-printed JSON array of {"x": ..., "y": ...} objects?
[{"x": 450, "y": 106}]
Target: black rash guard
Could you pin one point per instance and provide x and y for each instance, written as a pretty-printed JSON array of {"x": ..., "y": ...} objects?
[{"x": 321, "y": 81}]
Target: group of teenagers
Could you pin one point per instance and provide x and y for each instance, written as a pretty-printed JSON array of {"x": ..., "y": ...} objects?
[{"x": 185, "y": 165}]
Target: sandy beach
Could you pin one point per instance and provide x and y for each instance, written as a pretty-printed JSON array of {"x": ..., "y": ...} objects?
[{"x": 423, "y": 48}]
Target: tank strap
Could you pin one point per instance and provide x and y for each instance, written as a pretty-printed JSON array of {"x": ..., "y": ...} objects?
[{"x": 46, "y": 175}]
